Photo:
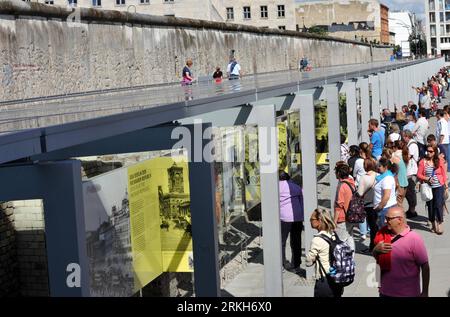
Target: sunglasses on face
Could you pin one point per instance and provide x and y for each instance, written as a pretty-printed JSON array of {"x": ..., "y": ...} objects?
[{"x": 388, "y": 219}]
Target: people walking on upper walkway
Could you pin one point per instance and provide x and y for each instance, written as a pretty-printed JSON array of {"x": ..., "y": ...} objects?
[
  {"x": 303, "y": 65},
  {"x": 188, "y": 77},
  {"x": 234, "y": 69},
  {"x": 218, "y": 75}
]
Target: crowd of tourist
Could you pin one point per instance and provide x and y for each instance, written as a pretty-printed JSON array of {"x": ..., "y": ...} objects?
[{"x": 404, "y": 157}]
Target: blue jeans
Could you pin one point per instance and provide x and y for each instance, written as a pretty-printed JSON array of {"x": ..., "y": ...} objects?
[
  {"x": 363, "y": 228},
  {"x": 381, "y": 215}
]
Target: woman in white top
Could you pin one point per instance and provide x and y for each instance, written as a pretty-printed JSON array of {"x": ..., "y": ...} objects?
[
  {"x": 319, "y": 254},
  {"x": 366, "y": 190},
  {"x": 384, "y": 191},
  {"x": 364, "y": 153}
]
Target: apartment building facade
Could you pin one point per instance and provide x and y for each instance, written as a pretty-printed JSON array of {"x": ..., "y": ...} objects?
[
  {"x": 437, "y": 24},
  {"x": 279, "y": 14}
]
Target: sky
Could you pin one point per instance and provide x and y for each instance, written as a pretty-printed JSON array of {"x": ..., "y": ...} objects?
[{"x": 415, "y": 6}]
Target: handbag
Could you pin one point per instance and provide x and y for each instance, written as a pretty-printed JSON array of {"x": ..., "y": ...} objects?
[{"x": 426, "y": 193}]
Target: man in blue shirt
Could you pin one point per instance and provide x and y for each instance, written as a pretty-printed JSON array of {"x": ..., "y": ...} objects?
[{"x": 376, "y": 139}]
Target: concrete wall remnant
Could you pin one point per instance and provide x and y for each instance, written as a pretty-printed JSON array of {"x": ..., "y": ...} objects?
[{"x": 41, "y": 54}]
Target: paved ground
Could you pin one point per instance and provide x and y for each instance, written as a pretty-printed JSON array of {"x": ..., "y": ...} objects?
[{"x": 250, "y": 282}]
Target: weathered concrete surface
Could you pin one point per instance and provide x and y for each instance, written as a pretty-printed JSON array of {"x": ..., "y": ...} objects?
[{"x": 42, "y": 54}]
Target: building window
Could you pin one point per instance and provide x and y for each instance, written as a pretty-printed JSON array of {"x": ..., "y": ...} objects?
[
  {"x": 247, "y": 13},
  {"x": 432, "y": 17},
  {"x": 281, "y": 12},
  {"x": 96, "y": 3},
  {"x": 433, "y": 30},
  {"x": 120, "y": 2},
  {"x": 168, "y": 1},
  {"x": 144, "y": 1},
  {"x": 441, "y": 16},
  {"x": 282, "y": 27},
  {"x": 441, "y": 30},
  {"x": 73, "y": 3},
  {"x": 49, "y": 2},
  {"x": 230, "y": 14},
  {"x": 447, "y": 4},
  {"x": 264, "y": 12},
  {"x": 431, "y": 5}
]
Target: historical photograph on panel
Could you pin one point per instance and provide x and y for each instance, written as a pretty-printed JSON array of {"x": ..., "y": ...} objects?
[
  {"x": 107, "y": 220},
  {"x": 321, "y": 118},
  {"x": 171, "y": 180}
]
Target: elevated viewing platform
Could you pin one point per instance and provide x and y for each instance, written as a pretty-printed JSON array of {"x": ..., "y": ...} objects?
[{"x": 41, "y": 112}]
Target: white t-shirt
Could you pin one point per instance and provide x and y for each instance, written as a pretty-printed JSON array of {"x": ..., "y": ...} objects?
[
  {"x": 235, "y": 71},
  {"x": 420, "y": 129},
  {"x": 442, "y": 129},
  {"x": 387, "y": 182},
  {"x": 358, "y": 170},
  {"x": 448, "y": 125},
  {"x": 413, "y": 149},
  {"x": 365, "y": 182},
  {"x": 394, "y": 137}
]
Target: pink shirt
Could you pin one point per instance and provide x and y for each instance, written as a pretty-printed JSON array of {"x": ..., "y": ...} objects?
[{"x": 407, "y": 256}]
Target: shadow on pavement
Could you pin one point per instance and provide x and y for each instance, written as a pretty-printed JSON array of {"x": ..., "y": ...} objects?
[
  {"x": 418, "y": 226},
  {"x": 224, "y": 293},
  {"x": 255, "y": 255}
]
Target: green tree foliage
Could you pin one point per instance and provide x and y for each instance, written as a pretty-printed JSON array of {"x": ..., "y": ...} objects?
[{"x": 318, "y": 30}]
